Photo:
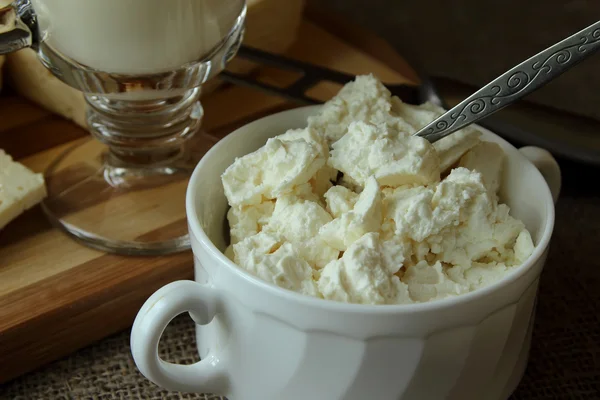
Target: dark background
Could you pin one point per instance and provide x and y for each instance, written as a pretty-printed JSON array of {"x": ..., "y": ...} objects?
[{"x": 473, "y": 41}]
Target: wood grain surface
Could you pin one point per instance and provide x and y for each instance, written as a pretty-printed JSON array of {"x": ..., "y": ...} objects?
[{"x": 56, "y": 295}]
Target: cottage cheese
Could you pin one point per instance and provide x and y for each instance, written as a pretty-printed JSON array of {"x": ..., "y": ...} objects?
[
  {"x": 367, "y": 100},
  {"x": 272, "y": 170},
  {"x": 273, "y": 260},
  {"x": 365, "y": 217},
  {"x": 323, "y": 180},
  {"x": 364, "y": 100},
  {"x": 355, "y": 209},
  {"x": 298, "y": 222},
  {"x": 392, "y": 157},
  {"x": 364, "y": 275},
  {"x": 340, "y": 200},
  {"x": 457, "y": 224},
  {"x": 428, "y": 282},
  {"x": 449, "y": 148},
  {"x": 245, "y": 221},
  {"x": 488, "y": 159}
]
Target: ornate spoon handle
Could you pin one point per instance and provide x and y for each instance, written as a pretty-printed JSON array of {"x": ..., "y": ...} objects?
[{"x": 516, "y": 83}]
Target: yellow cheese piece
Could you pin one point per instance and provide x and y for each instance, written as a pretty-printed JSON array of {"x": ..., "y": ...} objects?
[{"x": 20, "y": 189}]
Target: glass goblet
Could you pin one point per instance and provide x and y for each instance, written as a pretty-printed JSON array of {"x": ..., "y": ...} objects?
[{"x": 140, "y": 65}]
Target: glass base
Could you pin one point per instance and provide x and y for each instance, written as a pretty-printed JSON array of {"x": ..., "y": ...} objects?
[{"x": 121, "y": 209}]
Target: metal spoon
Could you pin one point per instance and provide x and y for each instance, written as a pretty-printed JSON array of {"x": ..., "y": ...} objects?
[{"x": 516, "y": 83}]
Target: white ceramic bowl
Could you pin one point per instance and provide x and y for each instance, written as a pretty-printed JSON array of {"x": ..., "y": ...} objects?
[{"x": 260, "y": 342}]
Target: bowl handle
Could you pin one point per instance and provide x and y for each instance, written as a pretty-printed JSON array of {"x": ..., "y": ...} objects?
[
  {"x": 547, "y": 165},
  {"x": 209, "y": 374}
]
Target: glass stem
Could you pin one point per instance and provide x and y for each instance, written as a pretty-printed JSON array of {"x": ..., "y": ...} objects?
[{"x": 144, "y": 132}]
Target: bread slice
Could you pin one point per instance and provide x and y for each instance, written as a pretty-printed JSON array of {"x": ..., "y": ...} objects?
[
  {"x": 34, "y": 82},
  {"x": 271, "y": 25},
  {"x": 20, "y": 189}
]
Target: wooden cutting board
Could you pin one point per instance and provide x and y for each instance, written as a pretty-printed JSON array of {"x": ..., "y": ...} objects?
[{"x": 56, "y": 295}]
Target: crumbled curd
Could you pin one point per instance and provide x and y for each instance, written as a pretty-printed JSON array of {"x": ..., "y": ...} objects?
[{"x": 353, "y": 208}]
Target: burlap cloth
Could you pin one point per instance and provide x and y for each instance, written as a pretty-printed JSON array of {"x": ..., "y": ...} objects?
[{"x": 565, "y": 354}]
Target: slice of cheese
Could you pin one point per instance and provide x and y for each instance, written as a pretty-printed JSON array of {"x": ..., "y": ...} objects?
[{"x": 20, "y": 189}]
